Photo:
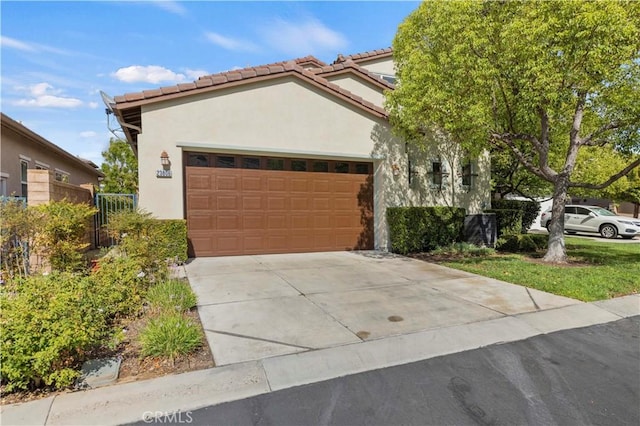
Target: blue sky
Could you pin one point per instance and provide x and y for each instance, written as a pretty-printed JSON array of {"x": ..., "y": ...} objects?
[{"x": 57, "y": 56}]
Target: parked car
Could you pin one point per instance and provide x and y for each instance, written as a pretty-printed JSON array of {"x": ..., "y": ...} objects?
[{"x": 595, "y": 219}]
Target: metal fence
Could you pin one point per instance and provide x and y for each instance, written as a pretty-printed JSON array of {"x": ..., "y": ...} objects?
[{"x": 108, "y": 205}]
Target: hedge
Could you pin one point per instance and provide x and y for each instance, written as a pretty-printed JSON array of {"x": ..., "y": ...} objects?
[
  {"x": 522, "y": 243},
  {"x": 416, "y": 229},
  {"x": 174, "y": 232},
  {"x": 508, "y": 221},
  {"x": 530, "y": 210}
]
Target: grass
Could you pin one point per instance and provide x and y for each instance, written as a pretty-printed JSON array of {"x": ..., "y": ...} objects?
[
  {"x": 597, "y": 270},
  {"x": 171, "y": 295},
  {"x": 170, "y": 335}
]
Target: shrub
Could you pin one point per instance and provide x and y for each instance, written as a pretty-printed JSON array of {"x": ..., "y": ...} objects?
[
  {"x": 18, "y": 226},
  {"x": 170, "y": 335},
  {"x": 516, "y": 243},
  {"x": 48, "y": 323},
  {"x": 414, "y": 229},
  {"x": 530, "y": 210},
  {"x": 508, "y": 221},
  {"x": 61, "y": 237},
  {"x": 174, "y": 233},
  {"x": 171, "y": 295},
  {"x": 122, "y": 284}
]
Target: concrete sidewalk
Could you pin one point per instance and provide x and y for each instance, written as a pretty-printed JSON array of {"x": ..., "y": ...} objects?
[{"x": 464, "y": 312}]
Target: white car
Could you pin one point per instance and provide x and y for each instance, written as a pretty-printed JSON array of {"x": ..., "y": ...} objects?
[{"x": 595, "y": 219}]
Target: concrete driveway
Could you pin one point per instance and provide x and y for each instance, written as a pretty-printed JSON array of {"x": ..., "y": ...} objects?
[{"x": 254, "y": 307}]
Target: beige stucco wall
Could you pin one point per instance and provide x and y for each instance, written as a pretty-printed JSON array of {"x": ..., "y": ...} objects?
[
  {"x": 381, "y": 66},
  {"x": 15, "y": 146},
  {"x": 294, "y": 119},
  {"x": 357, "y": 86}
]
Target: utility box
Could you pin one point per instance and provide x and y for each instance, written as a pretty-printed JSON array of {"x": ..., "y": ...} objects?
[{"x": 481, "y": 229}]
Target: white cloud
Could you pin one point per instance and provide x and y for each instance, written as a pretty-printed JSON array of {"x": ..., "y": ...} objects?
[
  {"x": 88, "y": 134},
  {"x": 229, "y": 43},
  {"x": 93, "y": 105},
  {"x": 303, "y": 37},
  {"x": 46, "y": 96},
  {"x": 171, "y": 6},
  {"x": 194, "y": 74},
  {"x": 50, "y": 101},
  {"x": 147, "y": 74},
  {"x": 16, "y": 44},
  {"x": 30, "y": 47}
]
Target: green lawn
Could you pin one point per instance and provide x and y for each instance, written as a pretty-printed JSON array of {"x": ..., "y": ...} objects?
[{"x": 604, "y": 270}]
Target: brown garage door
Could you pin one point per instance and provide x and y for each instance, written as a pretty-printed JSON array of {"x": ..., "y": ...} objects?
[{"x": 235, "y": 211}]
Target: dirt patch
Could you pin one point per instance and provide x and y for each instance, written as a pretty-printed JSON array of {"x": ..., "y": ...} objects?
[{"x": 133, "y": 367}]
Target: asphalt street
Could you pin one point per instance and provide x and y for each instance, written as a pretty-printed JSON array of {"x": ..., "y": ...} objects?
[{"x": 574, "y": 377}]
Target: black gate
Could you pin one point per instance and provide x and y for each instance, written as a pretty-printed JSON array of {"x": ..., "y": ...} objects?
[{"x": 107, "y": 205}]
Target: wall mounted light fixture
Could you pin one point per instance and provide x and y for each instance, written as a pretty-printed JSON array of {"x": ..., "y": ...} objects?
[
  {"x": 164, "y": 159},
  {"x": 395, "y": 169}
]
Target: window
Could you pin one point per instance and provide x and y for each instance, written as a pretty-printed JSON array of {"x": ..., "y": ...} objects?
[
  {"x": 320, "y": 166},
  {"x": 23, "y": 176},
  {"x": 250, "y": 163},
  {"x": 62, "y": 176},
  {"x": 198, "y": 160},
  {"x": 299, "y": 165},
  {"x": 436, "y": 173},
  {"x": 275, "y": 164},
  {"x": 582, "y": 211},
  {"x": 225, "y": 162},
  {"x": 3, "y": 186},
  {"x": 362, "y": 168},
  {"x": 341, "y": 167}
]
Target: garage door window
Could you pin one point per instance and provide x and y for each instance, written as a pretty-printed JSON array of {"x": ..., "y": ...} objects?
[
  {"x": 230, "y": 161},
  {"x": 198, "y": 160},
  {"x": 320, "y": 166},
  {"x": 250, "y": 163},
  {"x": 299, "y": 165},
  {"x": 275, "y": 164},
  {"x": 225, "y": 162}
]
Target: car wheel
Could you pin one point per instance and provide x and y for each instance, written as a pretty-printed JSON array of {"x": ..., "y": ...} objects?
[
  {"x": 608, "y": 231},
  {"x": 547, "y": 226}
]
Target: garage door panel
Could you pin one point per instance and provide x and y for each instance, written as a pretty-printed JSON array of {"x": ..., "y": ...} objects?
[
  {"x": 277, "y": 202},
  {"x": 244, "y": 211},
  {"x": 252, "y": 183},
  {"x": 252, "y": 202},
  {"x": 227, "y": 202},
  {"x": 299, "y": 185},
  {"x": 321, "y": 185},
  {"x": 200, "y": 201},
  {"x": 225, "y": 222},
  {"x": 276, "y": 222},
  {"x": 228, "y": 183},
  {"x": 275, "y": 184}
]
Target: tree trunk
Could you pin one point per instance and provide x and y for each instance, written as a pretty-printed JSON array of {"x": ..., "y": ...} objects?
[{"x": 556, "y": 252}]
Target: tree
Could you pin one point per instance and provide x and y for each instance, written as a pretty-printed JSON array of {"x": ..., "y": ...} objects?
[
  {"x": 120, "y": 168},
  {"x": 541, "y": 79}
]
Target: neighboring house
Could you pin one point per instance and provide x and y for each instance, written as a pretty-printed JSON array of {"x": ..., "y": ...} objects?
[
  {"x": 22, "y": 149},
  {"x": 294, "y": 156}
]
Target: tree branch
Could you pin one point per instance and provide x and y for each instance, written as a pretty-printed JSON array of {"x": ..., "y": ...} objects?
[
  {"x": 588, "y": 141},
  {"x": 507, "y": 139},
  {"x": 609, "y": 181}
]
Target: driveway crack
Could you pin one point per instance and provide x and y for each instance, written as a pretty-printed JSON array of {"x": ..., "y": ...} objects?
[{"x": 244, "y": 336}]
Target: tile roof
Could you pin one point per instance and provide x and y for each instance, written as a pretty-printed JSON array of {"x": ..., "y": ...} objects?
[
  {"x": 364, "y": 56},
  {"x": 350, "y": 66},
  {"x": 244, "y": 76}
]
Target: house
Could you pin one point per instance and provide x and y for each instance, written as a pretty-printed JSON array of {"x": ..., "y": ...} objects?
[
  {"x": 295, "y": 156},
  {"x": 22, "y": 149}
]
